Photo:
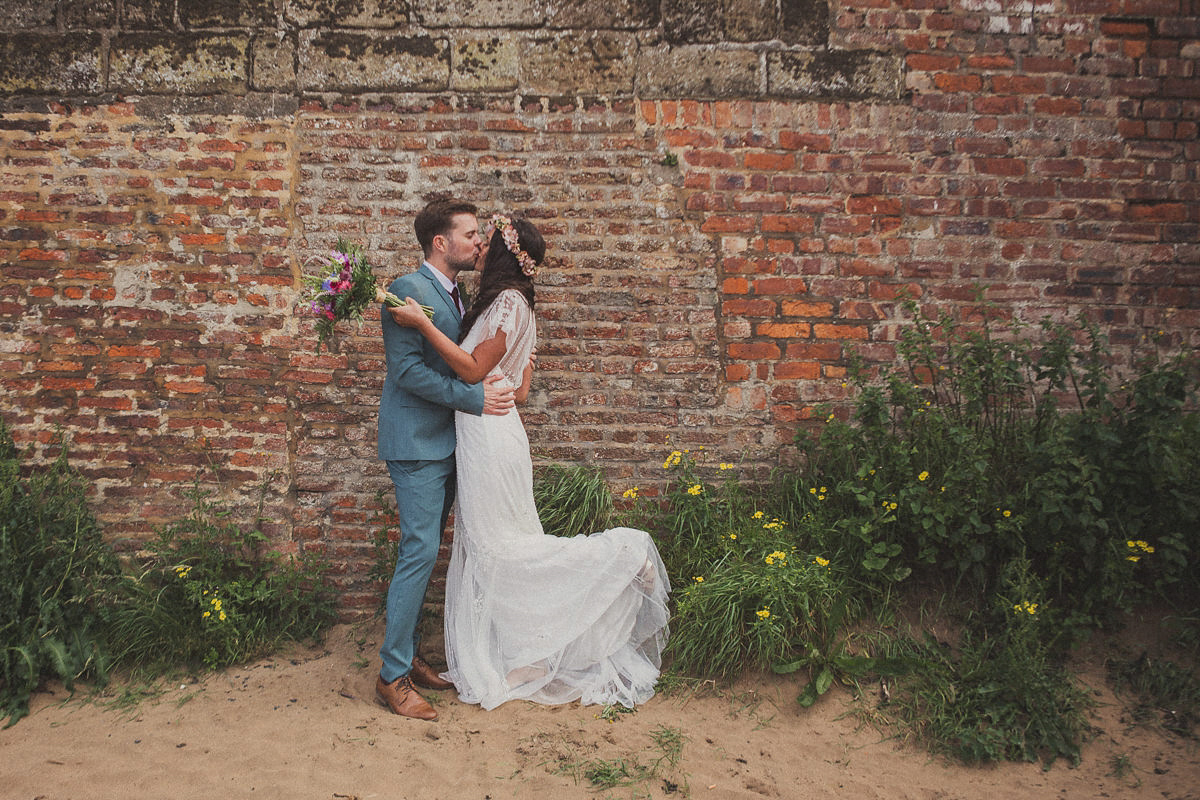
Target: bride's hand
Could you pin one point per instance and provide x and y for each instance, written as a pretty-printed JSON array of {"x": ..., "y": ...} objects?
[{"x": 410, "y": 315}]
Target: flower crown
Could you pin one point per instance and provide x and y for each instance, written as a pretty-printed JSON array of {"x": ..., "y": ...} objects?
[{"x": 513, "y": 242}]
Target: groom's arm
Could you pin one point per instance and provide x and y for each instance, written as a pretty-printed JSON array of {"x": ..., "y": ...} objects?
[{"x": 408, "y": 367}]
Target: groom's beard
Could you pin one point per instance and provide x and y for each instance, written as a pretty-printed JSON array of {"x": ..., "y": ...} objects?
[{"x": 464, "y": 265}]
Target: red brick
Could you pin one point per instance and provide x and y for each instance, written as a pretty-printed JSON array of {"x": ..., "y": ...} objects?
[
  {"x": 728, "y": 224},
  {"x": 1000, "y": 166},
  {"x": 931, "y": 62},
  {"x": 769, "y": 161},
  {"x": 1058, "y": 106},
  {"x": 753, "y": 350},
  {"x": 798, "y": 370},
  {"x": 784, "y": 330},
  {"x": 710, "y": 158},
  {"x": 958, "y": 82},
  {"x": 793, "y": 140}
]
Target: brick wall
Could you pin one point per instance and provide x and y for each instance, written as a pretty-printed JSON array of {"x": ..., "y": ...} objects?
[{"x": 733, "y": 198}]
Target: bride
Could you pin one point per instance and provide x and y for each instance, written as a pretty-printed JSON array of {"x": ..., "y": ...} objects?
[{"x": 529, "y": 615}]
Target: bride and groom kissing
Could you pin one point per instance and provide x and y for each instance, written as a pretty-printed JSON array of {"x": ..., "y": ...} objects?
[{"x": 528, "y": 615}]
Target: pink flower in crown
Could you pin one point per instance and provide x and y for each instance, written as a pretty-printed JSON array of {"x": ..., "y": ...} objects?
[{"x": 512, "y": 240}]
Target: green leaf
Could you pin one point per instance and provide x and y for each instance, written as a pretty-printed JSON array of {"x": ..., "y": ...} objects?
[
  {"x": 823, "y": 681},
  {"x": 808, "y": 696}
]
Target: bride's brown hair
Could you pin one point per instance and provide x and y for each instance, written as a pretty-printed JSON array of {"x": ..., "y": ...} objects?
[{"x": 502, "y": 271}]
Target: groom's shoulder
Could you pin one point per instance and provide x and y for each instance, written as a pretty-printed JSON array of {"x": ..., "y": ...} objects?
[{"x": 413, "y": 278}]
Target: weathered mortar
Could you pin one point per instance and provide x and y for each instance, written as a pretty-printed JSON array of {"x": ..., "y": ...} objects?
[{"x": 735, "y": 193}]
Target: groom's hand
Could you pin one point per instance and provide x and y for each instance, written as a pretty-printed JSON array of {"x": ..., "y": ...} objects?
[{"x": 497, "y": 400}]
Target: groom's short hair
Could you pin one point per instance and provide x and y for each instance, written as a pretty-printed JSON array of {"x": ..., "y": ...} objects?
[{"x": 436, "y": 217}]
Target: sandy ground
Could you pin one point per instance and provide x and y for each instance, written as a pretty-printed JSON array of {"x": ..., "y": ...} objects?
[{"x": 305, "y": 725}]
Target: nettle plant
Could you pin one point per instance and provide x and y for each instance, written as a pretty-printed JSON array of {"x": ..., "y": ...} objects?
[{"x": 983, "y": 445}]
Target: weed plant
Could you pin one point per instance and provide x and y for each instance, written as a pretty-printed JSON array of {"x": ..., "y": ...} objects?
[
  {"x": 1002, "y": 693},
  {"x": 211, "y": 593},
  {"x": 1007, "y": 468},
  {"x": 963, "y": 457},
  {"x": 52, "y": 558},
  {"x": 572, "y": 500},
  {"x": 1162, "y": 691}
]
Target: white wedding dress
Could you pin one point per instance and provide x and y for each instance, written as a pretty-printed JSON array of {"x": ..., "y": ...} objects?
[{"x": 529, "y": 615}]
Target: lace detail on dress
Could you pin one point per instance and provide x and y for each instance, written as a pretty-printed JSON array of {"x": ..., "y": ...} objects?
[
  {"x": 531, "y": 616},
  {"x": 510, "y": 313}
]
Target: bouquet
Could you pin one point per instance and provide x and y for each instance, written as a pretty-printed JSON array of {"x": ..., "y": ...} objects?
[{"x": 344, "y": 289}]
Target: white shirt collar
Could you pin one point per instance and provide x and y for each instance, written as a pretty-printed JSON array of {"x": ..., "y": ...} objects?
[{"x": 446, "y": 283}]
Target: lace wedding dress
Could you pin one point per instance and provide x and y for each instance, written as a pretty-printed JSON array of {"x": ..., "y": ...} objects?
[{"x": 529, "y": 615}]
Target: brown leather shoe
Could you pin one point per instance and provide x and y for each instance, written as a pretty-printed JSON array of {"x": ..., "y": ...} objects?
[
  {"x": 401, "y": 698},
  {"x": 426, "y": 676}
]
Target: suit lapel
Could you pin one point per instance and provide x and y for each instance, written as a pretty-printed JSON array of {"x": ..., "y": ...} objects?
[{"x": 448, "y": 306}]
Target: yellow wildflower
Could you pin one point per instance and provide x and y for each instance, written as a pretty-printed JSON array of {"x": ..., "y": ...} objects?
[
  {"x": 763, "y": 614},
  {"x": 696, "y": 490},
  {"x": 757, "y": 515},
  {"x": 1026, "y": 607},
  {"x": 923, "y": 476},
  {"x": 1137, "y": 548},
  {"x": 821, "y": 562},
  {"x": 631, "y": 494},
  {"x": 698, "y": 578},
  {"x": 726, "y": 466}
]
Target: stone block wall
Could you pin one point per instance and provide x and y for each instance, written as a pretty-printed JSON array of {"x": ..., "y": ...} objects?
[{"x": 735, "y": 194}]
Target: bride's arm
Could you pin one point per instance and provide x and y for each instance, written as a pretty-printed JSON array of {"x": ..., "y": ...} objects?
[
  {"x": 523, "y": 393},
  {"x": 471, "y": 367},
  {"x": 526, "y": 379}
]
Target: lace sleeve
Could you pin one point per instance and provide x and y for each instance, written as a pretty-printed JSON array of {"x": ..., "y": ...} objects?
[{"x": 510, "y": 313}]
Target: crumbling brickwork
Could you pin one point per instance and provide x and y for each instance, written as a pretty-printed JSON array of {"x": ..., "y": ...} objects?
[{"x": 735, "y": 193}]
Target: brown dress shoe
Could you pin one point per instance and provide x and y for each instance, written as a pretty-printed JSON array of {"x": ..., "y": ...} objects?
[
  {"x": 426, "y": 676},
  {"x": 401, "y": 698}
]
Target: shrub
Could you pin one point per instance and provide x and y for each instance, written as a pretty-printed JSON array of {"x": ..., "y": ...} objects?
[
  {"x": 1002, "y": 693},
  {"x": 962, "y": 457},
  {"x": 210, "y": 593},
  {"x": 52, "y": 558}
]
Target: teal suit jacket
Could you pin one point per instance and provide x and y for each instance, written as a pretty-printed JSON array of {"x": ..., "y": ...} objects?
[{"x": 421, "y": 392}]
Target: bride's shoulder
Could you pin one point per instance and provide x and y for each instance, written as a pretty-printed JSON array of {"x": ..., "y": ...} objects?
[
  {"x": 512, "y": 298},
  {"x": 512, "y": 295}
]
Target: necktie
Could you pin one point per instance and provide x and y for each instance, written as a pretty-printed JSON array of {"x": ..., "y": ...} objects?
[{"x": 457, "y": 302}]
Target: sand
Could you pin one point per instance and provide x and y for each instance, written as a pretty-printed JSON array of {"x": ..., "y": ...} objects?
[{"x": 304, "y": 724}]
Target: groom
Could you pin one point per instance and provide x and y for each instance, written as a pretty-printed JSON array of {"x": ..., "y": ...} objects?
[{"x": 416, "y": 439}]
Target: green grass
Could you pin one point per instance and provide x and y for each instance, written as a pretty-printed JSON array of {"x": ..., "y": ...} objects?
[{"x": 572, "y": 500}]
